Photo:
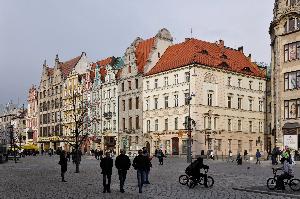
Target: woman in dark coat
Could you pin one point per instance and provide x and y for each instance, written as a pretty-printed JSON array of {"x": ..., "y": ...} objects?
[
  {"x": 106, "y": 165},
  {"x": 63, "y": 164}
]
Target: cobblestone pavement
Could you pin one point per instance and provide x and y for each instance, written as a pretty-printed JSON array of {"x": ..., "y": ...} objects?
[{"x": 39, "y": 177}]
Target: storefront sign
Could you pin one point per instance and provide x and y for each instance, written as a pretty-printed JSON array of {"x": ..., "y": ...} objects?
[{"x": 291, "y": 141}]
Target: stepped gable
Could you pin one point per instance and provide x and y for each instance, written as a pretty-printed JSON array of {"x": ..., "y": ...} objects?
[
  {"x": 142, "y": 53},
  {"x": 214, "y": 55},
  {"x": 102, "y": 63},
  {"x": 67, "y": 67}
]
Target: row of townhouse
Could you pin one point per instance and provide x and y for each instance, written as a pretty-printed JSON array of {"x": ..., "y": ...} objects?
[{"x": 146, "y": 99}]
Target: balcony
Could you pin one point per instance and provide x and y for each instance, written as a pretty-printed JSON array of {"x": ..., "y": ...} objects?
[{"x": 107, "y": 115}]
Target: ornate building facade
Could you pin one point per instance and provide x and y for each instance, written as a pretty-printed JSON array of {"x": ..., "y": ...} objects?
[
  {"x": 227, "y": 100},
  {"x": 139, "y": 58},
  {"x": 32, "y": 116},
  {"x": 285, "y": 70}
]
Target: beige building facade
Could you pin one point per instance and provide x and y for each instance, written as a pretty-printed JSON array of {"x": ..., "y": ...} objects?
[{"x": 285, "y": 70}]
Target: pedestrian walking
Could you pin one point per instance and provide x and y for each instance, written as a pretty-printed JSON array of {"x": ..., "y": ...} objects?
[
  {"x": 148, "y": 165},
  {"x": 230, "y": 156},
  {"x": 160, "y": 156},
  {"x": 63, "y": 161},
  {"x": 239, "y": 159},
  {"x": 122, "y": 164},
  {"x": 140, "y": 164},
  {"x": 106, "y": 165},
  {"x": 245, "y": 155},
  {"x": 258, "y": 155}
]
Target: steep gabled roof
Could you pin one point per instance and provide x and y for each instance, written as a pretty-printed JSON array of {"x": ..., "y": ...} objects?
[
  {"x": 142, "y": 53},
  {"x": 208, "y": 54},
  {"x": 67, "y": 67}
]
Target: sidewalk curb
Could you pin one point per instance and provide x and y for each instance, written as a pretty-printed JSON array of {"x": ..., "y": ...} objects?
[{"x": 267, "y": 192}]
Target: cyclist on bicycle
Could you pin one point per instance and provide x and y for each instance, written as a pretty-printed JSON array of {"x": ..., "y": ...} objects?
[
  {"x": 288, "y": 173},
  {"x": 194, "y": 168}
]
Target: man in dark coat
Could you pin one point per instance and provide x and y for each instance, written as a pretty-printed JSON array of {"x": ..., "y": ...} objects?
[
  {"x": 123, "y": 164},
  {"x": 106, "y": 165},
  {"x": 141, "y": 164},
  {"x": 63, "y": 164}
]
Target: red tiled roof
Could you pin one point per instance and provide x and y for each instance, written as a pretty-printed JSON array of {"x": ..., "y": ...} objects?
[
  {"x": 142, "y": 53},
  {"x": 102, "y": 62},
  {"x": 50, "y": 71},
  {"x": 208, "y": 54},
  {"x": 67, "y": 67}
]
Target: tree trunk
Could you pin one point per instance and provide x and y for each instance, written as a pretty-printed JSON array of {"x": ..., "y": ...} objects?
[{"x": 77, "y": 162}]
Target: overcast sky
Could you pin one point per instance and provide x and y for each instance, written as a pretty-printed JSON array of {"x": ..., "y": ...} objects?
[{"x": 34, "y": 30}]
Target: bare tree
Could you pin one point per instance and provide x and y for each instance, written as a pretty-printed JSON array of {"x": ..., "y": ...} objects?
[{"x": 77, "y": 108}]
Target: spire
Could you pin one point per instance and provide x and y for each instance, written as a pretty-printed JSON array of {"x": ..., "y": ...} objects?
[{"x": 56, "y": 59}]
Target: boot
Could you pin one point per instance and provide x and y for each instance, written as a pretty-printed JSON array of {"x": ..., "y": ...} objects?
[
  {"x": 108, "y": 188},
  {"x": 104, "y": 188}
]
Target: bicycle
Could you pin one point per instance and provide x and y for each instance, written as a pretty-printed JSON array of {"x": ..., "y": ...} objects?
[
  {"x": 191, "y": 182},
  {"x": 293, "y": 183}
]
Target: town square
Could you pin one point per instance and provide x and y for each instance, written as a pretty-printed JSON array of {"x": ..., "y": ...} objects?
[{"x": 150, "y": 99}]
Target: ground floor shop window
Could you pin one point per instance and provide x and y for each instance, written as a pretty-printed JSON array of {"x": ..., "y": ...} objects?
[{"x": 184, "y": 146}]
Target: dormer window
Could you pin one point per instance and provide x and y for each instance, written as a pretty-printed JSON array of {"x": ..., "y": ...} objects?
[
  {"x": 247, "y": 70},
  {"x": 158, "y": 54},
  {"x": 204, "y": 52},
  {"x": 224, "y": 56},
  {"x": 224, "y": 65}
]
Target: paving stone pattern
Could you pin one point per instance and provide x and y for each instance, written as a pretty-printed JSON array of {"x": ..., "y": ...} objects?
[{"x": 39, "y": 178}]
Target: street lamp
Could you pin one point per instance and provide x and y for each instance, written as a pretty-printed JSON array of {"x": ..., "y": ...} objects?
[{"x": 12, "y": 140}]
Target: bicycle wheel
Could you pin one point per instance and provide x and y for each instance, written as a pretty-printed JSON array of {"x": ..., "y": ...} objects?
[
  {"x": 183, "y": 179},
  {"x": 271, "y": 183},
  {"x": 295, "y": 184},
  {"x": 210, "y": 181}
]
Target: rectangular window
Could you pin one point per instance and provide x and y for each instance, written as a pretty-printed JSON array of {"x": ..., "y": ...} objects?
[
  {"x": 123, "y": 103},
  {"x": 292, "y": 23},
  {"x": 166, "y": 102},
  {"x": 166, "y": 124},
  {"x": 215, "y": 123},
  {"x": 250, "y": 145},
  {"x": 286, "y": 109},
  {"x": 286, "y": 81},
  {"x": 184, "y": 146},
  {"x": 260, "y": 127},
  {"x": 250, "y": 104},
  {"x": 148, "y": 126},
  {"x": 229, "y": 99},
  {"x": 292, "y": 51},
  {"x": 229, "y": 81},
  {"x": 239, "y": 103},
  {"x": 137, "y": 99},
  {"x": 298, "y": 108},
  {"x": 239, "y": 125},
  {"x": 250, "y": 127},
  {"x": 219, "y": 144},
  {"x": 187, "y": 77},
  {"x": 229, "y": 124},
  {"x": 124, "y": 124},
  {"x": 123, "y": 87},
  {"x": 176, "y": 79},
  {"x": 147, "y": 85},
  {"x": 136, "y": 83},
  {"x": 155, "y": 83},
  {"x": 286, "y": 53},
  {"x": 129, "y": 69},
  {"x": 166, "y": 81},
  {"x": 130, "y": 103},
  {"x": 130, "y": 123},
  {"x": 156, "y": 125},
  {"x": 250, "y": 85},
  {"x": 187, "y": 99},
  {"x": 155, "y": 103},
  {"x": 239, "y": 83},
  {"x": 129, "y": 85},
  {"x": 147, "y": 105},
  {"x": 209, "y": 122},
  {"x": 114, "y": 124},
  {"x": 260, "y": 87},
  {"x": 209, "y": 99},
  {"x": 260, "y": 106},
  {"x": 137, "y": 122},
  {"x": 239, "y": 145},
  {"x": 176, "y": 123},
  {"x": 176, "y": 100}
]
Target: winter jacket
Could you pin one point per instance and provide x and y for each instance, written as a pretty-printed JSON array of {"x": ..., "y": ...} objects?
[
  {"x": 122, "y": 162},
  {"x": 141, "y": 162},
  {"x": 63, "y": 163},
  {"x": 106, "y": 165}
]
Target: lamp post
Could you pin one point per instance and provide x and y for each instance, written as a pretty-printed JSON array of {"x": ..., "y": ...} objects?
[{"x": 12, "y": 141}]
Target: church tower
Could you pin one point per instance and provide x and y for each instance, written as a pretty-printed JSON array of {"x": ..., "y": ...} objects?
[{"x": 285, "y": 73}]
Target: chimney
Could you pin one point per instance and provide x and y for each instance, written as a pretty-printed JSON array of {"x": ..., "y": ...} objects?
[
  {"x": 83, "y": 54},
  {"x": 249, "y": 57},
  {"x": 221, "y": 42},
  {"x": 45, "y": 63},
  {"x": 187, "y": 39},
  {"x": 241, "y": 49}
]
